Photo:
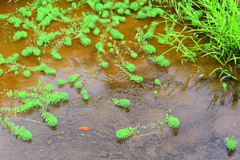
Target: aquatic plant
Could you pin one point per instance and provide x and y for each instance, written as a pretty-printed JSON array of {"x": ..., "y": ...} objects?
[
  {"x": 61, "y": 82},
  {"x": 20, "y": 132},
  {"x": 157, "y": 82},
  {"x": 133, "y": 55},
  {"x": 84, "y": 94},
  {"x": 78, "y": 84},
  {"x": 99, "y": 47},
  {"x": 15, "y": 21},
  {"x": 125, "y": 133},
  {"x": 68, "y": 41},
  {"x": 49, "y": 88},
  {"x": 85, "y": 97},
  {"x": 125, "y": 103},
  {"x": 85, "y": 41},
  {"x": 73, "y": 78},
  {"x": 104, "y": 64},
  {"x": 224, "y": 86},
  {"x": 116, "y": 34},
  {"x": 155, "y": 92},
  {"x": 19, "y": 34},
  {"x": 171, "y": 121},
  {"x": 231, "y": 143},
  {"x": 160, "y": 60},
  {"x": 49, "y": 118},
  {"x": 55, "y": 54},
  {"x": 1, "y": 72},
  {"x": 130, "y": 67},
  {"x": 96, "y": 31},
  {"x": 27, "y": 73}
]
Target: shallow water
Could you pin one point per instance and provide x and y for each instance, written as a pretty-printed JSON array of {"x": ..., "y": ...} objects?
[{"x": 207, "y": 113}]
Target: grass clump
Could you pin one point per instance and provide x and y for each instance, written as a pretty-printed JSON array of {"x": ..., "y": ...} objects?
[
  {"x": 231, "y": 143},
  {"x": 125, "y": 103}
]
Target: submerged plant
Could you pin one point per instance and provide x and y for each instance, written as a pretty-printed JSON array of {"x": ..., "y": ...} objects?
[
  {"x": 73, "y": 78},
  {"x": 157, "y": 82},
  {"x": 19, "y": 34},
  {"x": 231, "y": 143},
  {"x": 171, "y": 121},
  {"x": 125, "y": 103},
  {"x": 125, "y": 133},
  {"x": 78, "y": 85}
]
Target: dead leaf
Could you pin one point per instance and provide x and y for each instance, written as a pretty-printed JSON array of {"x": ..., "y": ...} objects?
[{"x": 84, "y": 128}]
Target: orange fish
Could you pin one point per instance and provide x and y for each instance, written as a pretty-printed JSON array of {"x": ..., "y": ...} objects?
[{"x": 84, "y": 128}]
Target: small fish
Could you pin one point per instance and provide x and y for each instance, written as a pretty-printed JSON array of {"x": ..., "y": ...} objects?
[{"x": 84, "y": 128}]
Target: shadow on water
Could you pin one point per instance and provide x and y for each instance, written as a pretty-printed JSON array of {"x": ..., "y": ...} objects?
[{"x": 207, "y": 113}]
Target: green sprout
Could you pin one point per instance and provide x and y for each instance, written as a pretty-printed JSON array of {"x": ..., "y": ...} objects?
[
  {"x": 231, "y": 143},
  {"x": 125, "y": 103},
  {"x": 155, "y": 92}
]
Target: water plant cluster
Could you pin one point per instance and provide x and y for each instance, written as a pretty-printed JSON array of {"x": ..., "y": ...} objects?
[
  {"x": 127, "y": 132},
  {"x": 39, "y": 97}
]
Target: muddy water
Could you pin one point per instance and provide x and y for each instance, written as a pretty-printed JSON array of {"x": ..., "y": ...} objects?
[{"x": 207, "y": 113}]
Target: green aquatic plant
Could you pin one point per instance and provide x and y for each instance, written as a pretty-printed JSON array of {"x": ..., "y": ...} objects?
[
  {"x": 49, "y": 88},
  {"x": 224, "y": 86},
  {"x": 116, "y": 34},
  {"x": 15, "y": 21},
  {"x": 130, "y": 67},
  {"x": 55, "y": 54},
  {"x": 125, "y": 103},
  {"x": 96, "y": 31},
  {"x": 19, "y": 34},
  {"x": 85, "y": 97},
  {"x": 68, "y": 41},
  {"x": 160, "y": 60},
  {"x": 99, "y": 47},
  {"x": 157, "y": 82},
  {"x": 61, "y": 82},
  {"x": 27, "y": 73},
  {"x": 20, "y": 132},
  {"x": 155, "y": 92},
  {"x": 133, "y": 55},
  {"x": 73, "y": 78},
  {"x": 125, "y": 133},
  {"x": 1, "y": 72},
  {"x": 49, "y": 118},
  {"x": 231, "y": 143},
  {"x": 104, "y": 64},
  {"x": 78, "y": 85},
  {"x": 171, "y": 121}
]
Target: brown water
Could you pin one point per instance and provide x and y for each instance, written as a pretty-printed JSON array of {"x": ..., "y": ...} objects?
[{"x": 207, "y": 113}]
